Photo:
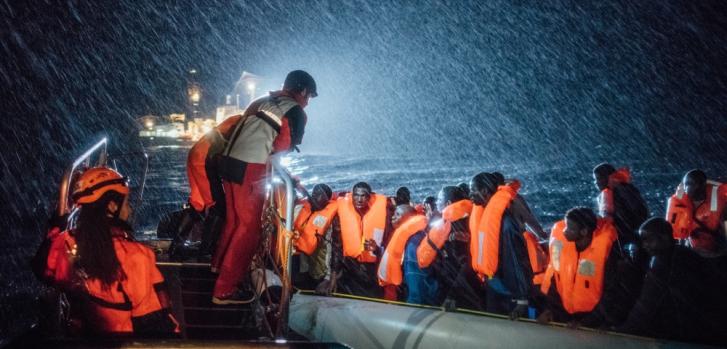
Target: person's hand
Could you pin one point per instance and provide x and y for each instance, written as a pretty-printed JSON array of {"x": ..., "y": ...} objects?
[
  {"x": 371, "y": 245},
  {"x": 327, "y": 286},
  {"x": 545, "y": 317}
]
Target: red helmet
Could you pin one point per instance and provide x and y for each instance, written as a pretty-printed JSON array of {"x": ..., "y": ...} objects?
[{"x": 95, "y": 182}]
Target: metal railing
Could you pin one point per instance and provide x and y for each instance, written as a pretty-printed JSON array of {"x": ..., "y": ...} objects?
[
  {"x": 85, "y": 158},
  {"x": 281, "y": 172}
]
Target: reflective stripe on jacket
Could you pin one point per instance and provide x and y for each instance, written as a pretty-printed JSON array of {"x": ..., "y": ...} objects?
[
  {"x": 681, "y": 214},
  {"x": 579, "y": 276}
]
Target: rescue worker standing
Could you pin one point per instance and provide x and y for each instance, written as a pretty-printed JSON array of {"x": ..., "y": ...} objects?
[
  {"x": 270, "y": 124},
  {"x": 401, "y": 253},
  {"x": 498, "y": 250},
  {"x": 581, "y": 276},
  {"x": 697, "y": 212},
  {"x": 113, "y": 278},
  {"x": 206, "y": 195},
  {"x": 360, "y": 232},
  {"x": 619, "y": 200},
  {"x": 682, "y": 297}
]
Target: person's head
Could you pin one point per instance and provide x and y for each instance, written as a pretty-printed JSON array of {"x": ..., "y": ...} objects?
[
  {"x": 403, "y": 196},
  {"x": 430, "y": 206},
  {"x": 102, "y": 197},
  {"x": 499, "y": 177},
  {"x": 449, "y": 195},
  {"x": 361, "y": 194},
  {"x": 401, "y": 214},
  {"x": 695, "y": 185},
  {"x": 601, "y": 173},
  {"x": 301, "y": 85},
  {"x": 580, "y": 223},
  {"x": 482, "y": 186},
  {"x": 320, "y": 195},
  {"x": 465, "y": 189},
  {"x": 656, "y": 236}
]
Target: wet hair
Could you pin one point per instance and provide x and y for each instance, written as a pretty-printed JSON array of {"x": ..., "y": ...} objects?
[
  {"x": 362, "y": 185},
  {"x": 485, "y": 180},
  {"x": 583, "y": 216},
  {"x": 431, "y": 201},
  {"x": 604, "y": 169},
  {"x": 465, "y": 188},
  {"x": 96, "y": 253},
  {"x": 500, "y": 178},
  {"x": 697, "y": 175},
  {"x": 453, "y": 194},
  {"x": 325, "y": 188},
  {"x": 403, "y": 196},
  {"x": 657, "y": 225}
]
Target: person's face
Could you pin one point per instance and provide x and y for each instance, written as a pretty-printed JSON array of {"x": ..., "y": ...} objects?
[
  {"x": 361, "y": 198},
  {"x": 479, "y": 196},
  {"x": 694, "y": 189},
  {"x": 600, "y": 181},
  {"x": 653, "y": 243},
  {"x": 573, "y": 231},
  {"x": 305, "y": 97},
  {"x": 124, "y": 210},
  {"x": 319, "y": 199},
  {"x": 398, "y": 217}
]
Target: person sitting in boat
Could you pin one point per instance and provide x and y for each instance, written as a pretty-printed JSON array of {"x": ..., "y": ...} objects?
[
  {"x": 206, "y": 195},
  {"x": 619, "y": 200},
  {"x": 581, "y": 277},
  {"x": 682, "y": 297},
  {"x": 498, "y": 248},
  {"x": 697, "y": 212},
  {"x": 313, "y": 224},
  {"x": 445, "y": 248},
  {"x": 272, "y": 124},
  {"x": 400, "y": 253},
  {"x": 112, "y": 278},
  {"x": 430, "y": 207},
  {"x": 360, "y": 232},
  {"x": 521, "y": 212}
]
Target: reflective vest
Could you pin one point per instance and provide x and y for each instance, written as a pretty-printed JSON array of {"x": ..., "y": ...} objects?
[
  {"x": 389, "y": 271},
  {"x": 439, "y": 232},
  {"x": 485, "y": 243},
  {"x": 605, "y": 198},
  {"x": 311, "y": 225},
  {"x": 579, "y": 275},
  {"x": 684, "y": 218},
  {"x": 355, "y": 230},
  {"x": 252, "y": 139}
]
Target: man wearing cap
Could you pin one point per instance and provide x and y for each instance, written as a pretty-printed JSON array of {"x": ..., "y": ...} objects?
[{"x": 271, "y": 124}]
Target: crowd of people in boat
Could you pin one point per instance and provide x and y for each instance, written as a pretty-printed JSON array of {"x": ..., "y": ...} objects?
[{"x": 475, "y": 245}]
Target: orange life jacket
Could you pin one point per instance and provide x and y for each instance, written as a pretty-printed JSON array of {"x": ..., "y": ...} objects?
[
  {"x": 605, "y": 198},
  {"x": 485, "y": 239},
  {"x": 439, "y": 231},
  {"x": 389, "y": 271},
  {"x": 579, "y": 275},
  {"x": 355, "y": 230},
  {"x": 311, "y": 225},
  {"x": 110, "y": 309},
  {"x": 684, "y": 218}
]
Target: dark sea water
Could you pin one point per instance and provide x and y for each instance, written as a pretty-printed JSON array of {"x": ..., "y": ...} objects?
[{"x": 550, "y": 190}]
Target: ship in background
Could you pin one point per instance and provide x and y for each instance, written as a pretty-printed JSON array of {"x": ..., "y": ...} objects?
[{"x": 187, "y": 127}]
